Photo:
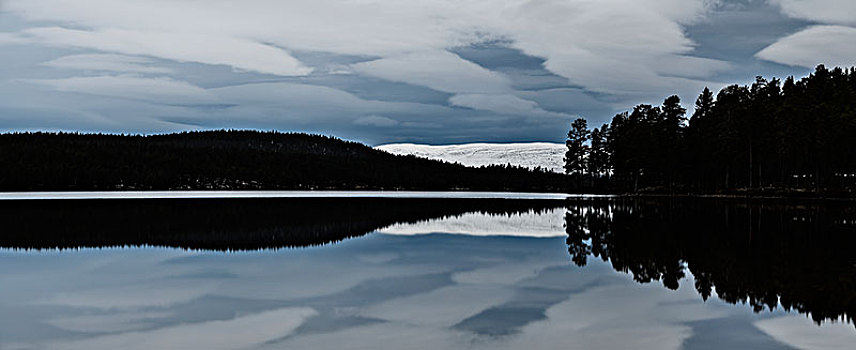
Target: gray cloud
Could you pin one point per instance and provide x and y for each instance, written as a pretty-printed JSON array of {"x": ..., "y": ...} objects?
[
  {"x": 376, "y": 120},
  {"x": 823, "y": 11},
  {"x": 107, "y": 63}
]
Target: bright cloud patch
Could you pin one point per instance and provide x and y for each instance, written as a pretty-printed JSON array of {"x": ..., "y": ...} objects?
[
  {"x": 183, "y": 47},
  {"x": 439, "y": 70},
  {"x": 825, "y": 11},
  {"x": 830, "y": 45}
]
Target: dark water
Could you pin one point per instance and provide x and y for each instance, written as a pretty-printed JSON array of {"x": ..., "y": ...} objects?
[{"x": 427, "y": 273}]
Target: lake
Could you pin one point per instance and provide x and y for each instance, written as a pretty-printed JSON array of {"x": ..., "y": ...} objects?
[{"x": 391, "y": 271}]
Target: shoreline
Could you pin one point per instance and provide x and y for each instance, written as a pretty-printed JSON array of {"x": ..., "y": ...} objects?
[
  {"x": 237, "y": 194},
  {"x": 221, "y": 194}
]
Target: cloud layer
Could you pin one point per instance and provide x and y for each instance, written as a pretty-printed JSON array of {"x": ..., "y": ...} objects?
[{"x": 463, "y": 63}]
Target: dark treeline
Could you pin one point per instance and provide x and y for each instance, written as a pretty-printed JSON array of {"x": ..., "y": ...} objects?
[
  {"x": 763, "y": 254},
  {"x": 772, "y": 135},
  {"x": 226, "y": 224},
  {"x": 225, "y": 160}
]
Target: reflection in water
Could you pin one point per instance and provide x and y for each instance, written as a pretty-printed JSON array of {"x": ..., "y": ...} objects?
[
  {"x": 456, "y": 274},
  {"x": 765, "y": 254},
  {"x": 536, "y": 223},
  {"x": 227, "y": 224}
]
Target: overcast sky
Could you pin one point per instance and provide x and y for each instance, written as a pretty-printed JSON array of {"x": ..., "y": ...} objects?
[{"x": 380, "y": 71}]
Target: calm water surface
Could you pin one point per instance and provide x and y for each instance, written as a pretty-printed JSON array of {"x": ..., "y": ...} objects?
[{"x": 426, "y": 273}]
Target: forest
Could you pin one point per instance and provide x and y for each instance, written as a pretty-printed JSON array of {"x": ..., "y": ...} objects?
[
  {"x": 238, "y": 160},
  {"x": 773, "y": 136}
]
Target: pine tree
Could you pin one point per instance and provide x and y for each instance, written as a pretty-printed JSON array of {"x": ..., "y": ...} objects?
[
  {"x": 703, "y": 106},
  {"x": 598, "y": 159},
  {"x": 673, "y": 114},
  {"x": 672, "y": 140},
  {"x": 575, "y": 157}
]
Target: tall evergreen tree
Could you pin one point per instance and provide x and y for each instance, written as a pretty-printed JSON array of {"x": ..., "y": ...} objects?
[
  {"x": 673, "y": 114},
  {"x": 697, "y": 143},
  {"x": 598, "y": 159},
  {"x": 703, "y": 105},
  {"x": 575, "y": 156},
  {"x": 671, "y": 142}
]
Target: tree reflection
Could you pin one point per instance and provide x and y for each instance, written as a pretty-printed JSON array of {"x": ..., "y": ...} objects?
[
  {"x": 761, "y": 253},
  {"x": 226, "y": 224}
]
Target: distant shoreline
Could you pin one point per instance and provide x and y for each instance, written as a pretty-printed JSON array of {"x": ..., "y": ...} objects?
[
  {"x": 180, "y": 194},
  {"x": 240, "y": 160},
  {"x": 445, "y": 194}
]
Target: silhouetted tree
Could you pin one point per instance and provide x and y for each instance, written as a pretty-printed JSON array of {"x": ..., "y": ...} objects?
[
  {"x": 575, "y": 156},
  {"x": 703, "y": 105},
  {"x": 598, "y": 157},
  {"x": 671, "y": 141}
]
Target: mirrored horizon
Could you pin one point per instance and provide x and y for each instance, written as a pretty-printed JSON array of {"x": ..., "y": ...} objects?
[{"x": 446, "y": 283}]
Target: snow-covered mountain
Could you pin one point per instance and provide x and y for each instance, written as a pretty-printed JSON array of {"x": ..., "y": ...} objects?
[{"x": 530, "y": 155}]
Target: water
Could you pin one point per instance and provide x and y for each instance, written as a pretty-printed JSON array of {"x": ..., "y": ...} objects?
[{"x": 426, "y": 273}]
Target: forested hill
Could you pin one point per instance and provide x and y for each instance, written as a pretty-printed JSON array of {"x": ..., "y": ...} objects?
[{"x": 226, "y": 160}]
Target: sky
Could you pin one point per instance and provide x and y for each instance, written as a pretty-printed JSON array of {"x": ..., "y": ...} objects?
[{"x": 385, "y": 71}]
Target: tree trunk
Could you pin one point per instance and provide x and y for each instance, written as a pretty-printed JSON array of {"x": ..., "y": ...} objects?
[
  {"x": 817, "y": 178},
  {"x": 750, "y": 166},
  {"x": 727, "y": 172},
  {"x": 636, "y": 182}
]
